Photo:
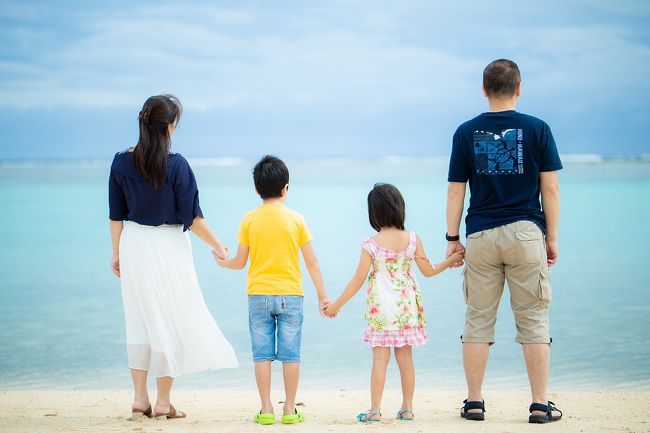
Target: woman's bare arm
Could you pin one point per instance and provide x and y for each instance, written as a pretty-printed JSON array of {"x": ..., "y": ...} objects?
[
  {"x": 201, "y": 229},
  {"x": 116, "y": 232}
]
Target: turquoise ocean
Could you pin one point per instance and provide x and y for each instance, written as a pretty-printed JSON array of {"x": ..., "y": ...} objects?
[{"x": 61, "y": 318}]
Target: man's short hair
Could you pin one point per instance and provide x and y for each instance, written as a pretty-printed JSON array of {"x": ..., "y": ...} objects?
[
  {"x": 501, "y": 78},
  {"x": 270, "y": 176}
]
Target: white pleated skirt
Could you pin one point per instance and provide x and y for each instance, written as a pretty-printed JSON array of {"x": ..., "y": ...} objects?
[{"x": 169, "y": 329}]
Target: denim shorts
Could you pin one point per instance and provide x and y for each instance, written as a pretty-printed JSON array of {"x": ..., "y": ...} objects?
[{"x": 275, "y": 318}]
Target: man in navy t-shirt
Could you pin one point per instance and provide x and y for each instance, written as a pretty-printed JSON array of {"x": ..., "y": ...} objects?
[{"x": 509, "y": 160}]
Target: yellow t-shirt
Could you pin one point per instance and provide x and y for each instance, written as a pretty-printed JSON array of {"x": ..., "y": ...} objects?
[{"x": 274, "y": 235}]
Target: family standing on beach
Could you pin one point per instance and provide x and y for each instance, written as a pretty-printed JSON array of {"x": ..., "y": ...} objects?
[{"x": 509, "y": 160}]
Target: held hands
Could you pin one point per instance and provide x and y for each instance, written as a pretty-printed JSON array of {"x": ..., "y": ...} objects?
[
  {"x": 330, "y": 310},
  {"x": 115, "y": 265},
  {"x": 322, "y": 305},
  {"x": 457, "y": 257},
  {"x": 220, "y": 254},
  {"x": 455, "y": 247}
]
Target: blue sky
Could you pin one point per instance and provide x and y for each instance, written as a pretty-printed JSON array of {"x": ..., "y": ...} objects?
[{"x": 317, "y": 78}]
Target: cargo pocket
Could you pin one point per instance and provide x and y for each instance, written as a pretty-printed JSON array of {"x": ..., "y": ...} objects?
[
  {"x": 465, "y": 292},
  {"x": 530, "y": 246},
  {"x": 473, "y": 250},
  {"x": 545, "y": 292}
]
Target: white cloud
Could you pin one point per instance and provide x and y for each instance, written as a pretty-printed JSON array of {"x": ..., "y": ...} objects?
[
  {"x": 209, "y": 68},
  {"x": 329, "y": 56}
]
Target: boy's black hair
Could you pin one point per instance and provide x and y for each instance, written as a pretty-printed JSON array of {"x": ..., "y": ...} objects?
[
  {"x": 386, "y": 207},
  {"x": 501, "y": 78},
  {"x": 270, "y": 175}
]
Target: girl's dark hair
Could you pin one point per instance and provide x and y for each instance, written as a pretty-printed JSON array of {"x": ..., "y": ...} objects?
[
  {"x": 386, "y": 207},
  {"x": 270, "y": 176},
  {"x": 152, "y": 151}
]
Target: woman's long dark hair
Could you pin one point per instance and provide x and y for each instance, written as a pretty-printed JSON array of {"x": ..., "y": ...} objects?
[{"x": 152, "y": 151}]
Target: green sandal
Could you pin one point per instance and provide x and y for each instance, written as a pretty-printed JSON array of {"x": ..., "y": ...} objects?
[
  {"x": 401, "y": 417},
  {"x": 264, "y": 418},
  {"x": 293, "y": 419}
]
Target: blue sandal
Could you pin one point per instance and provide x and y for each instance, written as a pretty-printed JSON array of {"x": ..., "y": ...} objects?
[
  {"x": 366, "y": 417},
  {"x": 543, "y": 419},
  {"x": 401, "y": 417}
]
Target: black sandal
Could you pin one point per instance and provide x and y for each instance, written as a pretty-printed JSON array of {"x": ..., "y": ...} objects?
[
  {"x": 543, "y": 419},
  {"x": 473, "y": 416}
]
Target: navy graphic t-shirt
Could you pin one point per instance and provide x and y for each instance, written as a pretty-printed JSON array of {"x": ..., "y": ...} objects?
[{"x": 501, "y": 155}]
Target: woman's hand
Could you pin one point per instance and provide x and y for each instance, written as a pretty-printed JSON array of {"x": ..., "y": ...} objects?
[
  {"x": 115, "y": 265},
  {"x": 220, "y": 252},
  {"x": 220, "y": 260},
  {"x": 237, "y": 262}
]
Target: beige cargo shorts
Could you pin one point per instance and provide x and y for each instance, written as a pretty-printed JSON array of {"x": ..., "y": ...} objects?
[{"x": 515, "y": 253}]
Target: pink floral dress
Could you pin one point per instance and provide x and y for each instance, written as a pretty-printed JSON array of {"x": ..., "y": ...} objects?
[{"x": 394, "y": 309}]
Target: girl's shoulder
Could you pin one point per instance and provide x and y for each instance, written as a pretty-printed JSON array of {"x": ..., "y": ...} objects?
[
  {"x": 373, "y": 247},
  {"x": 369, "y": 245},
  {"x": 412, "y": 245}
]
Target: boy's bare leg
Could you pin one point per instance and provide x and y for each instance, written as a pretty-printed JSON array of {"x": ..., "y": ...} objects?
[
  {"x": 404, "y": 358},
  {"x": 263, "y": 379},
  {"x": 291, "y": 373}
]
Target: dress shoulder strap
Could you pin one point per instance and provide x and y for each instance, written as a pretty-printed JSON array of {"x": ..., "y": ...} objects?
[{"x": 410, "y": 250}]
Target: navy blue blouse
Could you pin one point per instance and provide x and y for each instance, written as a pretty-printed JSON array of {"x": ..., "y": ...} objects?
[{"x": 131, "y": 198}]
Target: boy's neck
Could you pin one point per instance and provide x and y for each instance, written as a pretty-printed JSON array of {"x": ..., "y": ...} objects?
[
  {"x": 502, "y": 104},
  {"x": 274, "y": 200}
]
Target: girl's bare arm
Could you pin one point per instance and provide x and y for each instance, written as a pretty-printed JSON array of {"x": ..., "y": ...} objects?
[
  {"x": 353, "y": 286},
  {"x": 424, "y": 265}
]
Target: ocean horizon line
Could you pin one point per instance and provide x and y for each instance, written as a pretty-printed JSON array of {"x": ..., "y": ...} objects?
[{"x": 235, "y": 161}]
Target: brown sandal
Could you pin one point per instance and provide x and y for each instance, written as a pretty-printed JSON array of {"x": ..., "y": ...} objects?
[
  {"x": 136, "y": 414},
  {"x": 172, "y": 414}
]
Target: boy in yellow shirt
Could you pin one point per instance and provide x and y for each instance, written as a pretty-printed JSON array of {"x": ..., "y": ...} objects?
[{"x": 273, "y": 235}]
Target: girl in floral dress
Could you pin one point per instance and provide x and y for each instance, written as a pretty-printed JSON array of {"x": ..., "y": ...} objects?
[{"x": 394, "y": 308}]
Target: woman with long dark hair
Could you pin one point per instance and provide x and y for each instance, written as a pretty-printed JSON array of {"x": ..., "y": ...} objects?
[{"x": 154, "y": 200}]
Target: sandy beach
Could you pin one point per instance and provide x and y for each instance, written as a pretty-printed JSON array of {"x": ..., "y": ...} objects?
[{"x": 325, "y": 411}]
